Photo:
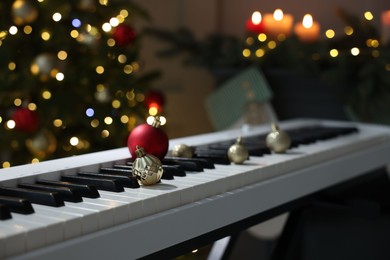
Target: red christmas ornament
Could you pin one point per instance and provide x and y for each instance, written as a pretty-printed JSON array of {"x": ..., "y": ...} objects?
[
  {"x": 155, "y": 99},
  {"x": 124, "y": 35},
  {"x": 25, "y": 120},
  {"x": 151, "y": 138}
]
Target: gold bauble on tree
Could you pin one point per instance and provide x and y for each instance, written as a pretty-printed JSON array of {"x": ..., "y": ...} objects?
[
  {"x": 24, "y": 12},
  {"x": 147, "y": 168},
  {"x": 238, "y": 153},
  {"x": 278, "y": 140},
  {"x": 45, "y": 66},
  {"x": 43, "y": 144}
]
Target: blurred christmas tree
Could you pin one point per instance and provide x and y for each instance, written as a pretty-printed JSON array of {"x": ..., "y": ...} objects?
[{"x": 70, "y": 82}]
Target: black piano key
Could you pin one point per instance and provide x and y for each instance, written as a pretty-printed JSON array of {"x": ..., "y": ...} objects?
[
  {"x": 84, "y": 190},
  {"x": 206, "y": 164},
  {"x": 186, "y": 165},
  {"x": 66, "y": 193},
  {"x": 100, "y": 183},
  {"x": 17, "y": 205},
  {"x": 39, "y": 197},
  {"x": 118, "y": 169},
  {"x": 125, "y": 180},
  {"x": 174, "y": 170},
  {"x": 4, "y": 212}
]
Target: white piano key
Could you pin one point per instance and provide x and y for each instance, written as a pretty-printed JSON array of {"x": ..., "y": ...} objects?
[
  {"x": 134, "y": 208},
  {"x": 104, "y": 214},
  {"x": 118, "y": 208},
  {"x": 52, "y": 227},
  {"x": 72, "y": 223},
  {"x": 12, "y": 238}
]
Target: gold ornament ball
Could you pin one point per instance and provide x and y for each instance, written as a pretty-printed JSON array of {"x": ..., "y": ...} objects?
[
  {"x": 43, "y": 144},
  {"x": 237, "y": 152},
  {"x": 45, "y": 66},
  {"x": 147, "y": 168},
  {"x": 182, "y": 150},
  {"x": 278, "y": 140},
  {"x": 23, "y": 12}
]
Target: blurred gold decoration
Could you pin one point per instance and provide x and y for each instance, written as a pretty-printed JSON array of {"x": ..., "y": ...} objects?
[
  {"x": 45, "y": 66},
  {"x": 182, "y": 150},
  {"x": 43, "y": 144},
  {"x": 278, "y": 140},
  {"x": 237, "y": 152},
  {"x": 23, "y": 12}
]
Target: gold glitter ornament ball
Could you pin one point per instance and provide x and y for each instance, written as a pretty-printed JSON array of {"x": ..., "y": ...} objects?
[
  {"x": 237, "y": 152},
  {"x": 147, "y": 168},
  {"x": 24, "y": 12},
  {"x": 278, "y": 140}
]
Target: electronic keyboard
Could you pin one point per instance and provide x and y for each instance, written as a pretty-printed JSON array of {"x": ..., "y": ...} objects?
[{"x": 68, "y": 217}]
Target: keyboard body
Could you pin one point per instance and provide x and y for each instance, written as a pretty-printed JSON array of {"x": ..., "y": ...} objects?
[{"x": 140, "y": 222}]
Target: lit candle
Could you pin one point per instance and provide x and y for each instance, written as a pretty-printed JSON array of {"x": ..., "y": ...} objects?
[
  {"x": 308, "y": 31},
  {"x": 278, "y": 24},
  {"x": 385, "y": 18},
  {"x": 255, "y": 25}
]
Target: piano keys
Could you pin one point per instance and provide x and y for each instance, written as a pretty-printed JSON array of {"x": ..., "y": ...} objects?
[{"x": 210, "y": 195}]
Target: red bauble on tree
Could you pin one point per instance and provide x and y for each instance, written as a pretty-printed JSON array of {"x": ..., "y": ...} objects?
[
  {"x": 124, "y": 35},
  {"x": 151, "y": 138},
  {"x": 155, "y": 98},
  {"x": 25, "y": 119}
]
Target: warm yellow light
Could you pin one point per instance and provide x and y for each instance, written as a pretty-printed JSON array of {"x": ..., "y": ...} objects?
[
  {"x": 108, "y": 120},
  {"x": 27, "y": 29},
  {"x": 333, "y": 53},
  {"x": 256, "y": 17},
  {"x": 368, "y": 15},
  {"x": 46, "y": 94},
  {"x": 35, "y": 160},
  {"x": 355, "y": 51},
  {"x": 140, "y": 97},
  {"x": 99, "y": 69},
  {"x": 122, "y": 58},
  {"x": 103, "y": 2},
  {"x": 246, "y": 53},
  {"x": 32, "y": 106},
  {"x": 153, "y": 111},
  {"x": 124, "y": 13},
  {"x": 62, "y": 55},
  {"x": 124, "y": 119},
  {"x": 45, "y": 35},
  {"x": 307, "y": 21},
  {"x": 330, "y": 33},
  {"x": 262, "y": 37},
  {"x": 60, "y": 76},
  {"x": 260, "y": 53},
  {"x": 6, "y": 164},
  {"x": 128, "y": 69},
  {"x": 111, "y": 42},
  {"x": 12, "y": 66},
  {"x": 150, "y": 120},
  {"x": 116, "y": 103},
  {"x": 95, "y": 123},
  {"x": 17, "y": 102},
  {"x": 57, "y": 122},
  {"x": 272, "y": 45},
  {"x": 74, "y": 34}
]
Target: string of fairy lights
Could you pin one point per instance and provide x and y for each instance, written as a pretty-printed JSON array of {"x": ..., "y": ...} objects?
[
  {"x": 48, "y": 68},
  {"x": 252, "y": 51}
]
